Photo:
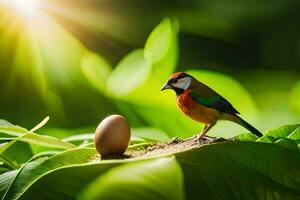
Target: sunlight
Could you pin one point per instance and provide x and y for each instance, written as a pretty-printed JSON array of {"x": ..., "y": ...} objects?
[
  {"x": 35, "y": 36},
  {"x": 25, "y": 7}
]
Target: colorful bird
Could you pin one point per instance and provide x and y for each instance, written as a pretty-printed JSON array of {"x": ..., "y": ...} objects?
[{"x": 203, "y": 104}]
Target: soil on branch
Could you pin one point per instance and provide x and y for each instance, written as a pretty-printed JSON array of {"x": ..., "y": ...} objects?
[{"x": 175, "y": 145}]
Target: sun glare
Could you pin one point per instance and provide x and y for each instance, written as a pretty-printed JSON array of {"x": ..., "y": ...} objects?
[{"x": 26, "y": 7}]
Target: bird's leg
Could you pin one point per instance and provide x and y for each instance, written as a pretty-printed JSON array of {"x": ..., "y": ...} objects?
[
  {"x": 204, "y": 131},
  {"x": 196, "y": 137}
]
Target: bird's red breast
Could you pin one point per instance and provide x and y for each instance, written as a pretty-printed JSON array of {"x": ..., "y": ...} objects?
[{"x": 196, "y": 111}]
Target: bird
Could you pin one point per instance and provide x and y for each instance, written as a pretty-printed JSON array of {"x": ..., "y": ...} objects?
[{"x": 202, "y": 104}]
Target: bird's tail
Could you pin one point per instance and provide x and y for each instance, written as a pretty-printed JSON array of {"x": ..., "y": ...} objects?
[{"x": 249, "y": 127}]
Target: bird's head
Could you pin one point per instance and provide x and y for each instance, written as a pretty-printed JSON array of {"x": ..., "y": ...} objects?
[{"x": 179, "y": 82}]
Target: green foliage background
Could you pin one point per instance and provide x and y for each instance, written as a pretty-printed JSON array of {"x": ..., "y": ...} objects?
[
  {"x": 102, "y": 57},
  {"x": 79, "y": 61}
]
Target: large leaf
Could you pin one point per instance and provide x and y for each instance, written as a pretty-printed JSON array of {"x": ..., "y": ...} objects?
[
  {"x": 161, "y": 48},
  {"x": 32, "y": 171},
  {"x": 129, "y": 74},
  {"x": 241, "y": 170},
  {"x": 141, "y": 180},
  {"x": 231, "y": 170},
  {"x": 159, "y": 41}
]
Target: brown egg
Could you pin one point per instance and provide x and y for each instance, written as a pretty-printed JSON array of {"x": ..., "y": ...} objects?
[{"x": 112, "y": 136}]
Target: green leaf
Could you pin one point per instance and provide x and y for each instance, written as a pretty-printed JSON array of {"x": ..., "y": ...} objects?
[
  {"x": 96, "y": 70},
  {"x": 66, "y": 181},
  {"x": 80, "y": 137},
  {"x": 82, "y": 140},
  {"x": 266, "y": 139},
  {"x": 40, "y": 125},
  {"x": 32, "y": 138},
  {"x": 159, "y": 41},
  {"x": 295, "y": 135},
  {"x": 46, "y": 141},
  {"x": 4, "y": 122},
  {"x": 283, "y": 132},
  {"x": 11, "y": 130},
  {"x": 287, "y": 136},
  {"x": 246, "y": 137},
  {"x": 149, "y": 180},
  {"x": 132, "y": 71},
  {"x": 161, "y": 51},
  {"x": 287, "y": 143},
  {"x": 241, "y": 170},
  {"x": 34, "y": 170},
  {"x": 233, "y": 170},
  {"x": 42, "y": 140},
  {"x": 161, "y": 47},
  {"x": 6, "y": 179}
]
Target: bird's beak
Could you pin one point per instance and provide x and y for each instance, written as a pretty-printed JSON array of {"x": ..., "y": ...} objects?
[{"x": 165, "y": 87}]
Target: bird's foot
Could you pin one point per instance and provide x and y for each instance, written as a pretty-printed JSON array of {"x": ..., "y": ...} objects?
[
  {"x": 209, "y": 139},
  {"x": 195, "y": 138},
  {"x": 175, "y": 140},
  {"x": 203, "y": 139}
]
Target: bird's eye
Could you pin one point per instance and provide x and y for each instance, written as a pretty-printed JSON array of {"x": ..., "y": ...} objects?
[{"x": 172, "y": 81}]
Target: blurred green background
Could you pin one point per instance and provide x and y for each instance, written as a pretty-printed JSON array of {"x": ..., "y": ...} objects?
[{"x": 81, "y": 60}]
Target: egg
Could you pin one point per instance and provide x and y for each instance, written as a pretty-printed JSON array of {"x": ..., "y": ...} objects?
[{"x": 112, "y": 136}]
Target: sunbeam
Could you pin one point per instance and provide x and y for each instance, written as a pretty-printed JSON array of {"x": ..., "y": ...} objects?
[
  {"x": 28, "y": 8},
  {"x": 43, "y": 50}
]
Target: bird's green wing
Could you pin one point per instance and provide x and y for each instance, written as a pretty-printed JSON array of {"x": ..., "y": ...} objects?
[{"x": 214, "y": 101}]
